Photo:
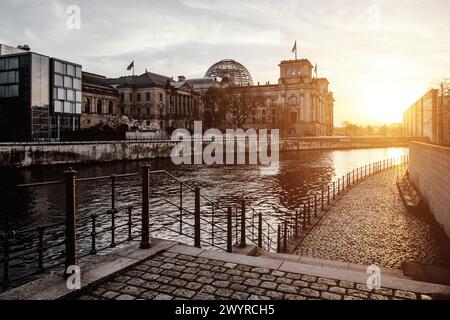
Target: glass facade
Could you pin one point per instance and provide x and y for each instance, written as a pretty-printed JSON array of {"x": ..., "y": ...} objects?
[
  {"x": 66, "y": 88},
  {"x": 40, "y": 96}
]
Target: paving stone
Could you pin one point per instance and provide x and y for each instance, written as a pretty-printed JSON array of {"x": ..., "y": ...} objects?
[
  {"x": 150, "y": 276},
  {"x": 374, "y": 296},
  {"x": 319, "y": 286},
  {"x": 230, "y": 265},
  {"x": 204, "y": 296},
  {"x": 358, "y": 293},
  {"x": 167, "y": 288},
  {"x": 287, "y": 288},
  {"x": 162, "y": 296},
  {"x": 205, "y": 280},
  {"x": 275, "y": 295},
  {"x": 425, "y": 297},
  {"x": 296, "y": 276},
  {"x": 192, "y": 265},
  {"x": 269, "y": 285},
  {"x": 194, "y": 286},
  {"x": 252, "y": 275},
  {"x": 261, "y": 270},
  {"x": 234, "y": 272},
  {"x": 149, "y": 295},
  {"x": 237, "y": 287},
  {"x": 208, "y": 289},
  {"x": 122, "y": 278},
  {"x": 221, "y": 284},
  {"x": 184, "y": 293},
  {"x": 110, "y": 294},
  {"x": 352, "y": 298},
  {"x": 252, "y": 282},
  {"x": 131, "y": 290},
  {"x": 277, "y": 273},
  {"x": 294, "y": 297},
  {"x": 221, "y": 276},
  {"x": 256, "y": 291},
  {"x": 337, "y": 290},
  {"x": 134, "y": 273},
  {"x": 153, "y": 263},
  {"x": 178, "y": 282},
  {"x": 330, "y": 296},
  {"x": 236, "y": 279},
  {"x": 151, "y": 285},
  {"x": 169, "y": 254},
  {"x": 300, "y": 283},
  {"x": 257, "y": 297},
  {"x": 243, "y": 268},
  {"x": 363, "y": 287},
  {"x": 136, "y": 282},
  {"x": 328, "y": 282},
  {"x": 239, "y": 296},
  {"x": 188, "y": 276},
  {"x": 171, "y": 273},
  {"x": 346, "y": 284},
  {"x": 164, "y": 279},
  {"x": 405, "y": 294},
  {"x": 310, "y": 293},
  {"x": 219, "y": 269},
  {"x": 283, "y": 280},
  {"x": 309, "y": 278},
  {"x": 384, "y": 291},
  {"x": 221, "y": 292},
  {"x": 205, "y": 273},
  {"x": 125, "y": 297},
  {"x": 113, "y": 286},
  {"x": 179, "y": 268}
]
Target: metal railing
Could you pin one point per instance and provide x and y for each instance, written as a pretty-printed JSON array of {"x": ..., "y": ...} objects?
[
  {"x": 208, "y": 223},
  {"x": 299, "y": 222}
]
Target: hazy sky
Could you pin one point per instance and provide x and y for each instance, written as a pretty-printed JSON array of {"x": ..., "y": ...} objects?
[{"x": 379, "y": 55}]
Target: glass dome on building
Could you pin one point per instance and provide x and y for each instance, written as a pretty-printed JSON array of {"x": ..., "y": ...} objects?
[{"x": 233, "y": 69}]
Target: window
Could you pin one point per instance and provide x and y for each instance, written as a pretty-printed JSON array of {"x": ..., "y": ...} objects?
[
  {"x": 161, "y": 97},
  {"x": 61, "y": 94},
  {"x": 122, "y": 98},
  {"x": 60, "y": 67},
  {"x": 87, "y": 106},
  {"x": 59, "y": 106},
  {"x": 99, "y": 107},
  {"x": 9, "y": 91},
  {"x": 78, "y": 72},
  {"x": 110, "y": 107},
  {"x": 78, "y": 96},
  {"x": 77, "y": 84},
  {"x": 138, "y": 98},
  {"x": 131, "y": 97},
  {"x": 59, "y": 82},
  {"x": 68, "y": 82},
  {"x": 147, "y": 96},
  {"x": 71, "y": 70},
  {"x": 9, "y": 77},
  {"x": 78, "y": 108},
  {"x": 148, "y": 111},
  {"x": 9, "y": 63}
]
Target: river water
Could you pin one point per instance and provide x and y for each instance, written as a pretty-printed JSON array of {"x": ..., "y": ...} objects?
[{"x": 273, "y": 190}]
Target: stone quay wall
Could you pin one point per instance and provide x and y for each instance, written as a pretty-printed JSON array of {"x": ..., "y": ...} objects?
[
  {"x": 36, "y": 154},
  {"x": 429, "y": 171}
]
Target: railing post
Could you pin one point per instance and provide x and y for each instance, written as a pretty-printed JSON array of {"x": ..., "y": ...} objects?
[
  {"x": 315, "y": 205},
  {"x": 243, "y": 225},
  {"x": 70, "y": 221},
  {"x": 328, "y": 194},
  {"x": 285, "y": 237},
  {"x": 309, "y": 210},
  {"x": 181, "y": 208},
  {"x": 334, "y": 190},
  {"x": 279, "y": 238},
  {"x": 197, "y": 242},
  {"x": 296, "y": 223},
  {"x": 304, "y": 217},
  {"x": 41, "y": 249},
  {"x": 229, "y": 231},
  {"x": 6, "y": 256},
  {"x": 260, "y": 230},
  {"x": 93, "y": 234},
  {"x": 113, "y": 228},
  {"x": 321, "y": 199},
  {"x": 130, "y": 223},
  {"x": 146, "y": 183},
  {"x": 113, "y": 191}
]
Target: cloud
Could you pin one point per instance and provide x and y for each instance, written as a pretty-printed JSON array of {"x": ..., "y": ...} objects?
[{"x": 355, "y": 43}]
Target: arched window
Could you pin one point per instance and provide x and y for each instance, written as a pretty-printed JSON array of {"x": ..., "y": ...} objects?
[
  {"x": 293, "y": 100},
  {"x": 110, "y": 108},
  {"x": 87, "y": 106},
  {"x": 99, "y": 106}
]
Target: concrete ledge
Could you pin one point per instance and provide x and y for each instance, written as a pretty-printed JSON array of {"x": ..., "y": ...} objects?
[{"x": 241, "y": 259}]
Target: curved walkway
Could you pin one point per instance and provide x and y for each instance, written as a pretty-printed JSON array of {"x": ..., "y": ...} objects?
[{"x": 370, "y": 224}]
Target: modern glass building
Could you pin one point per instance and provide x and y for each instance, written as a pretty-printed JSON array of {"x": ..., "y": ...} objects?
[{"x": 40, "y": 97}]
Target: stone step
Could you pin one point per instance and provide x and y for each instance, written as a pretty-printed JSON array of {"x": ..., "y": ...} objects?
[{"x": 396, "y": 273}]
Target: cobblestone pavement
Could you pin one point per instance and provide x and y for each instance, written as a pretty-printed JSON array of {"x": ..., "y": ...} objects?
[
  {"x": 168, "y": 276},
  {"x": 370, "y": 224}
]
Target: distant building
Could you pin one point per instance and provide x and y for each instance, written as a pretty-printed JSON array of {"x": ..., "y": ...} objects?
[
  {"x": 299, "y": 104},
  {"x": 158, "y": 100},
  {"x": 40, "y": 97},
  {"x": 100, "y": 100},
  {"x": 429, "y": 117}
]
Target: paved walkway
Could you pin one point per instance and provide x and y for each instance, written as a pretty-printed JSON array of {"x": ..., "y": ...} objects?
[
  {"x": 370, "y": 224},
  {"x": 177, "y": 275}
]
